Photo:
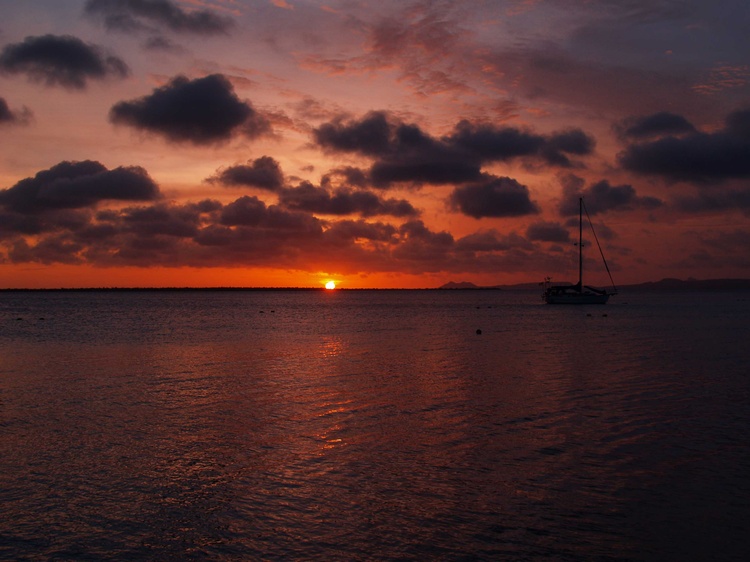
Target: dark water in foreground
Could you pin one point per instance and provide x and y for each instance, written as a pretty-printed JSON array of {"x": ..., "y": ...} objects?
[{"x": 373, "y": 425}]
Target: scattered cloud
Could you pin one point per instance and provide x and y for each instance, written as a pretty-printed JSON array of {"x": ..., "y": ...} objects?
[
  {"x": 480, "y": 106},
  {"x": 493, "y": 197},
  {"x": 343, "y": 201},
  {"x": 656, "y": 125},
  {"x": 421, "y": 245},
  {"x": 404, "y": 153},
  {"x": 349, "y": 175},
  {"x": 144, "y": 15},
  {"x": 55, "y": 217},
  {"x": 696, "y": 157},
  {"x": 64, "y": 61},
  {"x": 421, "y": 43},
  {"x": 10, "y": 117},
  {"x": 723, "y": 77},
  {"x": 491, "y": 143},
  {"x": 72, "y": 185},
  {"x": 353, "y": 230},
  {"x": 547, "y": 232},
  {"x": 370, "y": 136},
  {"x": 263, "y": 173},
  {"x": 601, "y": 197},
  {"x": 201, "y": 111}
]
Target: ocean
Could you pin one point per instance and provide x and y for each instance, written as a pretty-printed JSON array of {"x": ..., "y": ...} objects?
[{"x": 373, "y": 425}]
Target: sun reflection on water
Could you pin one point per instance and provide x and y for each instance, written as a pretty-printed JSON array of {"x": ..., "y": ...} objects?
[{"x": 333, "y": 347}]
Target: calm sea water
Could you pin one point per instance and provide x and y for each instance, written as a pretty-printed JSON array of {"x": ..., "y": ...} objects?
[{"x": 373, "y": 425}]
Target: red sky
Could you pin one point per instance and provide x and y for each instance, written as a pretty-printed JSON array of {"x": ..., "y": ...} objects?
[{"x": 378, "y": 144}]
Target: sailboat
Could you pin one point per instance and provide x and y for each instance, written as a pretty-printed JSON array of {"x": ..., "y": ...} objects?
[{"x": 579, "y": 293}]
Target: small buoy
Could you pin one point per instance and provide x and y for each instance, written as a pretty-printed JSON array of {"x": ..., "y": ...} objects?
[
  {"x": 261, "y": 312},
  {"x": 479, "y": 332},
  {"x": 604, "y": 315},
  {"x": 19, "y": 318},
  {"x": 589, "y": 314}
]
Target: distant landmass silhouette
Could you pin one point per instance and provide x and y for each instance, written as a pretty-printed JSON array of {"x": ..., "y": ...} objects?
[
  {"x": 691, "y": 284},
  {"x": 461, "y": 285},
  {"x": 667, "y": 284}
]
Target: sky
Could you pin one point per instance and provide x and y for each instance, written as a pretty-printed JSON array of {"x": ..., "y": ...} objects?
[{"x": 389, "y": 144}]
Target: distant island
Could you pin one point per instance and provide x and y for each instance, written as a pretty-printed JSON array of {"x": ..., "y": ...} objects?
[
  {"x": 463, "y": 285},
  {"x": 667, "y": 284}
]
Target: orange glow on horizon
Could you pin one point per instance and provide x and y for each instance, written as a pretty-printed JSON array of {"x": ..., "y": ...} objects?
[{"x": 24, "y": 276}]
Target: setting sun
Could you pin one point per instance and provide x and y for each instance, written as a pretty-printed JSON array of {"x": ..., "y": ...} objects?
[{"x": 330, "y": 285}]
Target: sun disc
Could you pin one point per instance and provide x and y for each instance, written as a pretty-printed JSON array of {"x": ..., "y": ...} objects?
[{"x": 330, "y": 285}]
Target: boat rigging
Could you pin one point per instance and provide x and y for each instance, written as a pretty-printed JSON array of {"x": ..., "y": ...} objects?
[{"x": 579, "y": 293}]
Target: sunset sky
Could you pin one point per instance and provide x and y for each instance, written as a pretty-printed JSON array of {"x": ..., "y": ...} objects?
[{"x": 378, "y": 144}]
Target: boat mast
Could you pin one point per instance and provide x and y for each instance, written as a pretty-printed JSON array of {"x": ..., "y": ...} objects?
[{"x": 580, "y": 244}]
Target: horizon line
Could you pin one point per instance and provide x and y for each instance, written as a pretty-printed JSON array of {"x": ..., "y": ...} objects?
[{"x": 519, "y": 286}]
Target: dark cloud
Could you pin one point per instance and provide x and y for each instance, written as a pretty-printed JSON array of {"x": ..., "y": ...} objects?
[
  {"x": 71, "y": 185},
  {"x": 425, "y": 161},
  {"x": 60, "y": 61},
  {"x": 162, "y": 219},
  {"x": 360, "y": 229},
  {"x": 244, "y": 233},
  {"x": 201, "y": 111},
  {"x": 138, "y": 15},
  {"x": 203, "y": 234},
  {"x": 496, "y": 144},
  {"x": 247, "y": 211},
  {"x": 419, "y": 244},
  {"x": 9, "y": 117},
  {"x": 493, "y": 197},
  {"x": 403, "y": 153},
  {"x": 695, "y": 157},
  {"x": 558, "y": 146},
  {"x": 6, "y": 115},
  {"x": 601, "y": 197},
  {"x": 547, "y": 232},
  {"x": 251, "y": 211},
  {"x": 296, "y": 223},
  {"x": 48, "y": 251},
  {"x": 12, "y": 223},
  {"x": 263, "y": 172},
  {"x": 351, "y": 176},
  {"x": 656, "y": 125},
  {"x": 343, "y": 201},
  {"x": 247, "y": 232},
  {"x": 423, "y": 170},
  {"x": 370, "y": 136}
]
